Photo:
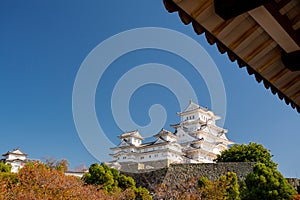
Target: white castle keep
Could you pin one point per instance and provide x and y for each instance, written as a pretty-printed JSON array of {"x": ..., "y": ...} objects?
[
  {"x": 16, "y": 158},
  {"x": 197, "y": 139}
]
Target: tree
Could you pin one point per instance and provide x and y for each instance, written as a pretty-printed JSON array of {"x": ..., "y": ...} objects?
[
  {"x": 4, "y": 167},
  {"x": 53, "y": 163},
  {"x": 209, "y": 189},
  {"x": 125, "y": 182},
  {"x": 267, "y": 183},
  {"x": 113, "y": 182},
  {"x": 296, "y": 197},
  {"x": 7, "y": 178},
  {"x": 226, "y": 187},
  {"x": 81, "y": 168},
  {"x": 62, "y": 165},
  {"x": 6, "y": 174},
  {"x": 38, "y": 181},
  {"x": 101, "y": 176},
  {"x": 142, "y": 194},
  {"x": 230, "y": 186},
  {"x": 251, "y": 152}
]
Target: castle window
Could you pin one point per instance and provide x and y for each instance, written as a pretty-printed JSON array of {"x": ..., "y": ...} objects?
[
  {"x": 124, "y": 157},
  {"x": 150, "y": 156},
  {"x": 142, "y": 157}
]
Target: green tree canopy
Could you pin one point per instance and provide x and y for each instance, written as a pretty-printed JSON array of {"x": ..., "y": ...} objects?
[
  {"x": 6, "y": 174},
  {"x": 267, "y": 183},
  {"x": 100, "y": 175},
  {"x": 226, "y": 188},
  {"x": 4, "y": 167},
  {"x": 251, "y": 152},
  {"x": 125, "y": 182},
  {"x": 111, "y": 180}
]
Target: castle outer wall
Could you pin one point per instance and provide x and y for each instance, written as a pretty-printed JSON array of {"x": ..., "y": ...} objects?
[{"x": 177, "y": 174}]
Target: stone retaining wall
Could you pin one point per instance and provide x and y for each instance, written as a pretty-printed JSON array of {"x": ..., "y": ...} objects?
[{"x": 176, "y": 174}]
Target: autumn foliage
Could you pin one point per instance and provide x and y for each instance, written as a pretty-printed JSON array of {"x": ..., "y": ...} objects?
[
  {"x": 48, "y": 181},
  {"x": 296, "y": 197},
  {"x": 39, "y": 181}
]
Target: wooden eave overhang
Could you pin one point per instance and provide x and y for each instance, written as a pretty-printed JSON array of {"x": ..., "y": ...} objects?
[
  {"x": 263, "y": 36},
  {"x": 15, "y": 160},
  {"x": 203, "y": 151},
  {"x": 134, "y": 134},
  {"x": 164, "y": 132},
  {"x": 217, "y": 128},
  {"x": 14, "y": 153},
  {"x": 214, "y": 137},
  {"x": 200, "y": 109},
  {"x": 142, "y": 146}
]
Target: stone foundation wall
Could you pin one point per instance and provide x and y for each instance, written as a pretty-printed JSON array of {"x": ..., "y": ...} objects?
[
  {"x": 176, "y": 174},
  {"x": 133, "y": 167}
]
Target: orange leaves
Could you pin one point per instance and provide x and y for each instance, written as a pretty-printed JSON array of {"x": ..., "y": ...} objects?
[{"x": 37, "y": 181}]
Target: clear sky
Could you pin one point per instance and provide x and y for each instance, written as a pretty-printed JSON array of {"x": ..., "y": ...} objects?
[{"x": 43, "y": 44}]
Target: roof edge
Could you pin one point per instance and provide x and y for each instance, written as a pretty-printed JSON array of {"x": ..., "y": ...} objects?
[{"x": 199, "y": 29}]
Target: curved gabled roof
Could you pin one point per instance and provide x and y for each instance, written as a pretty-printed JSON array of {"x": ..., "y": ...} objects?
[
  {"x": 134, "y": 134},
  {"x": 264, "y": 38},
  {"x": 15, "y": 152}
]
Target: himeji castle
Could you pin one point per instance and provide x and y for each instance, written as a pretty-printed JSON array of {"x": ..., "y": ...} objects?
[{"x": 197, "y": 139}]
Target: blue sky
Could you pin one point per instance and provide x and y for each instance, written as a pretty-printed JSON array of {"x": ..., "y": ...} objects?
[{"x": 42, "y": 46}]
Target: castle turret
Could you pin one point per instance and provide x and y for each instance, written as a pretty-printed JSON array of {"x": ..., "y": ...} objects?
[
  {"x": 16, "y": 158},
  {"x": 166, "y": 135},
  {"x": 132, "y": 137}
]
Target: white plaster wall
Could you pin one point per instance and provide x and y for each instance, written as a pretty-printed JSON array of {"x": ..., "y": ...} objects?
[
  {"x": 15, "y": 166},
  {"x": 13, "y": 157},
  {"x": 183, "y": 137}
]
